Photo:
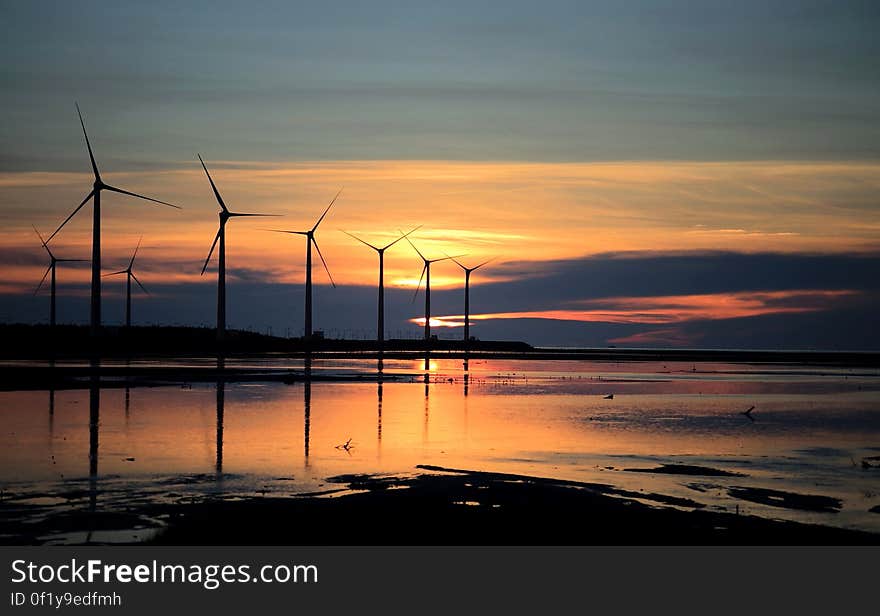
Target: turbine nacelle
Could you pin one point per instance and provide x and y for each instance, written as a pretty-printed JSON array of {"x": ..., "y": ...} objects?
[
  {"x": 386, "y": 246},
  {"x": 224, "y": 214},
  {"x": 469, "y": 270},
  {"x": 426, "y": 269},
  {"x": 98, "y": 185},
  {"x": 310, "y": 236},
  {"x": 128, "y": 269},
  {"x": 53, "y": 260}
]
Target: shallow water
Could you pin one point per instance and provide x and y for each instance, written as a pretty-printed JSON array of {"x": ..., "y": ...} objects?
[{"x": 809, "y": 434}]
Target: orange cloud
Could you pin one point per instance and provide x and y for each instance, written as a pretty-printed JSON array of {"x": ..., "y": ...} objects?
[
  {"x": 510, "y": 211},
  {"x": 671, "y": 337},
  {"x": 674, "y": 308},
  {"x": 440, "y": 322}
]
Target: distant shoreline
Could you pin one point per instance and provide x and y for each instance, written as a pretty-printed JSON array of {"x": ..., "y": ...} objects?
[{"x": 36, "y": 342}]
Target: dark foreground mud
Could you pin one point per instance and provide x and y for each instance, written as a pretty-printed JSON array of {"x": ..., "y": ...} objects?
[
  {"x": 475, "y": 508},
  {"x": 436, "y": 506}
]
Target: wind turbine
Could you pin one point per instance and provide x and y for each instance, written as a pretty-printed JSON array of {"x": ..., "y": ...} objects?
[
  {"x": 128, "y": 278},
  {"x": 426, "y": 274},
  {"x": 467, "y": 297},
  {"x": 380, "y": 336},
  {"x": 95, "y": 195},
  {"x": 53, "y": 260},
  {"x": 224, "y": 215},
  {"x": 310, "y": 239}
]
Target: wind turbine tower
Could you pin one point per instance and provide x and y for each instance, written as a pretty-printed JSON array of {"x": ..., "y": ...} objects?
[
  {"x": 224, "y": 215},
  {"x": 310, "y": 239},
  {"x": 426, "y": 274},
  {"x": 97, "y": 188},
  {"x": 380, "y": 328},
  {"x": 53, "y": 260},
  {"x": 129, "y": 276},
  {"x": 467, "y": 297}
]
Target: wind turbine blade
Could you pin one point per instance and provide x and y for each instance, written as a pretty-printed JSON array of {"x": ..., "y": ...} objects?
[
  {"x": 39, "y": 286},
  {"x": 72, "y": 214},
  {"x": 131, "y": 194},
  {"x": 362, "y": 241},
  {"x": 136, "y": 248},
  {"x": 403, "y": 235},
  {"x": 475, "y": 268},
  {"x": 416, "y": 249},
  {"x": 210, "y": 252},
  {"x": 139, "y": 284},
  {"x": 45, "y": 246},
  {"x": 88, "y": 144},
  {"x": 114, "y": 273},
  {"x": 72, "y": 260},
  {"x": 327, "y": 210},
  {"x": 445, "y": 258},
  {"x": 213, "y": 186},
  {"x": 418, "y": 286},
  {"x": 285, "y": 231},
  {"x": 456, "y": 261},
  {"x": 326, "y": 269},
  {"x": 237, "y": 214},
  {"x": 43, "y": 242}
]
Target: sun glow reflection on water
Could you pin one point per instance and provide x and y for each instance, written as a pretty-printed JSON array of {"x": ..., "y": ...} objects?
[{"x": 812, "y": 428}]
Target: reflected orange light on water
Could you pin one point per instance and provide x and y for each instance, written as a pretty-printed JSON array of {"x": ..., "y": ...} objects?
[
  {"x": 549, "y": 419},
  {"x": 174, "y": 431}
]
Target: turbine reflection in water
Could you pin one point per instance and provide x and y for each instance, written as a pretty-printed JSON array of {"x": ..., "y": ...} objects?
[
  {"x": 307, "y": 406},
  {"x": 545, "y": 426},
  {"x": 94, "y": 427},
  {"x": 221, "y": 403},
  {"x": 379, "y": 381}
]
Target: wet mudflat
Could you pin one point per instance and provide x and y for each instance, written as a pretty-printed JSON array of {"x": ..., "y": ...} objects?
[{"x": 544, "y": 446}]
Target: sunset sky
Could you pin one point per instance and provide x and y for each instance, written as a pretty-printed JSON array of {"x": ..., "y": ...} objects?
[{"x": 642, "y": 173}]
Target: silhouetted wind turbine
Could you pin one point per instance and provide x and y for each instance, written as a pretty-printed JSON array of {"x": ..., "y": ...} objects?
[
  {"x": 380, "y": 333},
  {"x": 129, "y": 275},
  {"x": 467, "y": 297},
  {"x": 310, "y": 239},
  {"x": 95, "y": 195},
  {"x": 426, "y": 274},
  {"x": 51, "y": 269},
  {"x": 224, "y": 215}
]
